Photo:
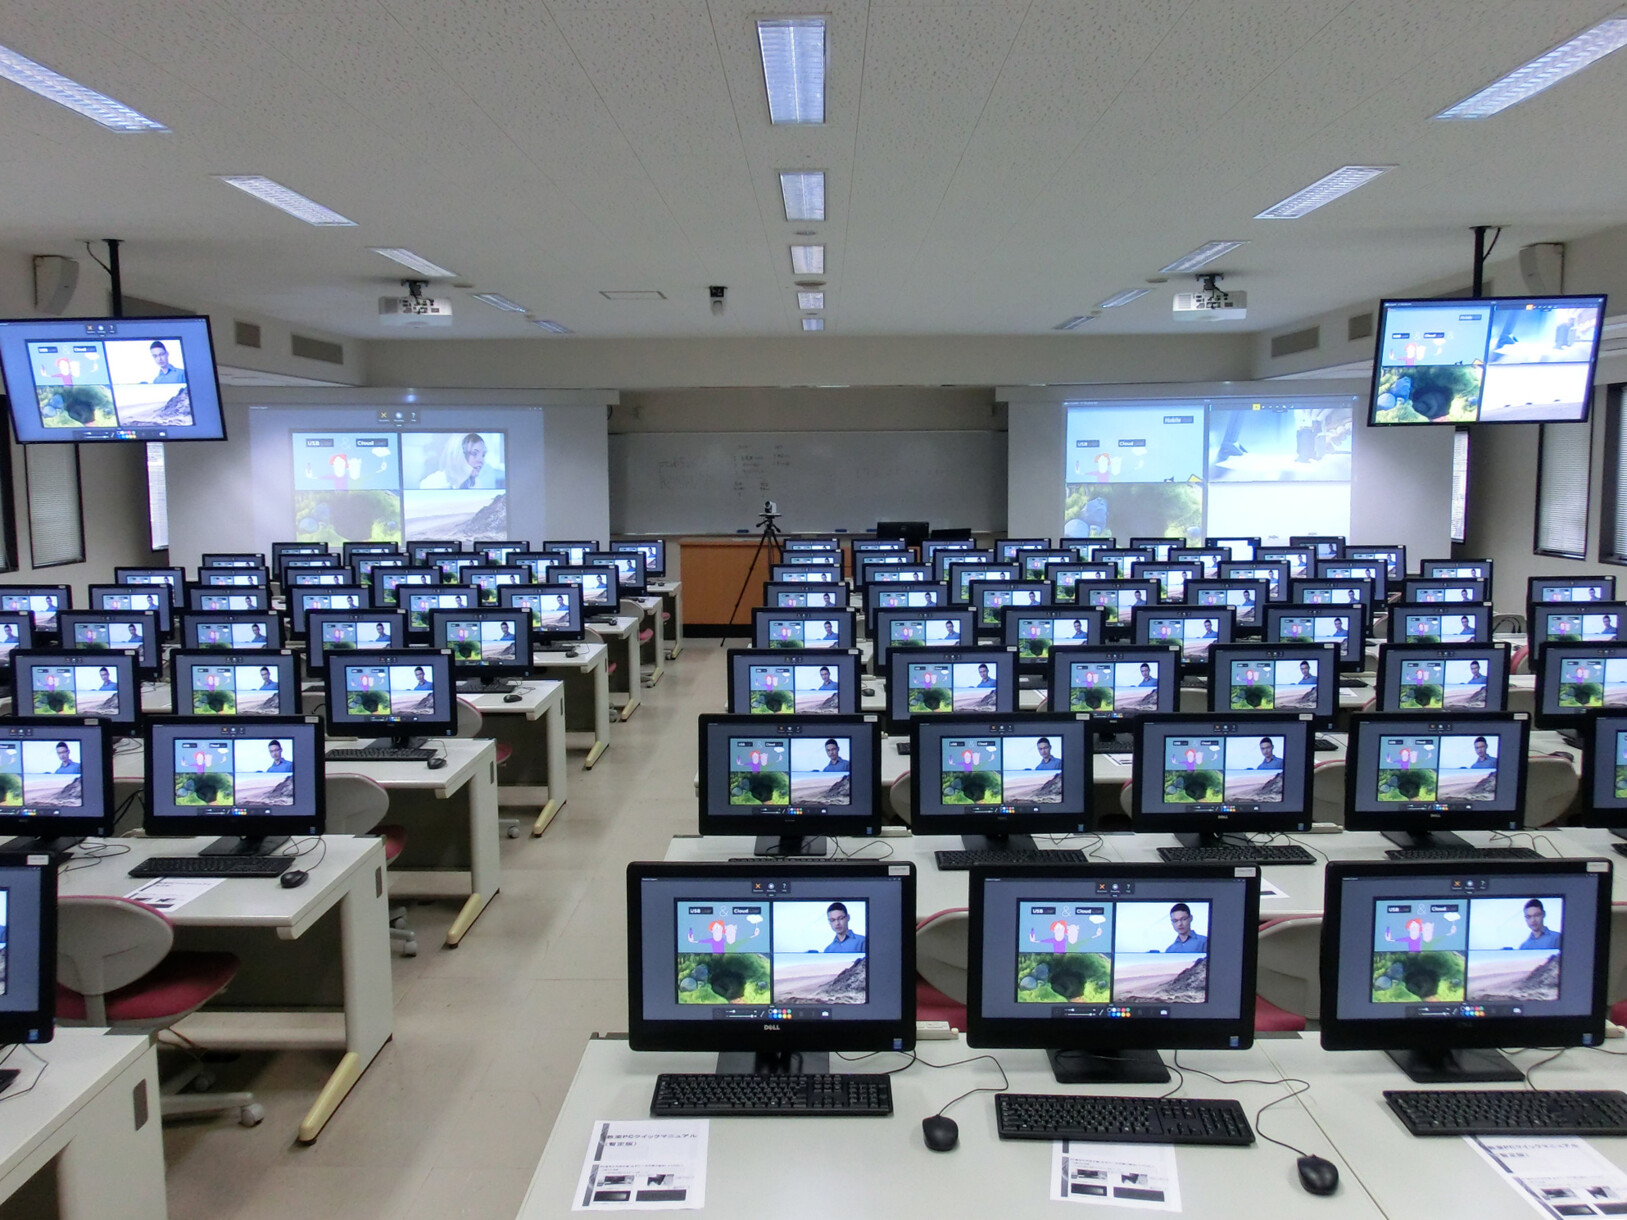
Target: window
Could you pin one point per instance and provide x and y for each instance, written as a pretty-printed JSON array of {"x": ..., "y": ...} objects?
[
  {"x": 1460, "y": 485},
  {"x": 56, "y": 515},
  {"x": 1613, "y": 514},
  {"x": 1564, "y": 456},
  {"x": 157, "y": 497}
]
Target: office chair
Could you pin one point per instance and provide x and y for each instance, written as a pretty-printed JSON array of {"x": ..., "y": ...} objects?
[
  {"x": 1288, "y": 982},
  {"x": 117, "y": 968},
  {"x": 356, "y": 805},
  {"x": 898, "y": 798},
  {"x": 645, "y": 634},
  {"x": 1615, "y": 975},
  {"x": 472, "y": 724},
  {"x": 940, "y": 967},
  {"x": 1328, "y": 791},
  {"x": 1551, "y": 784}
]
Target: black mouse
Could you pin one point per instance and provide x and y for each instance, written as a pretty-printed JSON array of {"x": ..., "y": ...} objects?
[
  {"x": 511, "y": 698},
  {"x": 1317, "y": 1175},
  {"x": 573, "y": 651},
  {"x": 436, "y": 763},
  {"x": 941, "y": 1133},
  {"x": 867, "y": 690},
  {"x": 294, "y": 878}
]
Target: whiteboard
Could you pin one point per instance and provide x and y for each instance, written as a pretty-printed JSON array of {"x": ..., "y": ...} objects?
[{"x": 716, "y": 482}]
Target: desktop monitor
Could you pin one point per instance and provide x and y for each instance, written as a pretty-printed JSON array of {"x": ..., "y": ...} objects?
[
  {"x": 931, "y": 548},
  {"x": 773, "y": 682},
  {"x": 132, "y": 631},
  {"x": 820, "y": 556},
  {"x": 1274, "y": 572},
  {"x": 1301, "y": 560},
  {"x": 1457, "y": 569},
  {"x": 1440, "y": 963},
  {"x": 1411, "y": 623},
  {"x": 1249, "y": 679},
  {"x": 1103, "y": 965},
  {"x": 1604, "y": 772},
  {"x": 1115, "y": 685},
  {"x": 1122, "y": 558},
  {"x": 1207, "y": 558},
  {"x": 1597, "y": 623},
  {"x": 1117, "y": 600},
  {"x": 997, "y": 781},
  {"x": 808, "y": 574},
  {"x": 387, "y": 582},
  {"x": 788, "y": 627},
  {"x": 41, "y": 602},
  {"x": 303, "y": 599},
  {"x": 629, "y": 567},
  {"x": 908, "y": 596},
  {"x": 405, "y": 696},
  {"x": 1323, "y": 546},
  {"x": 28, "y": 893},
  {"x": 571, "y": 548},
  {"x": 16, "y": 631},
  {"x": 215, "y": 600},
  {"x": 67, "y": 683},
  {"x": 253, "y": 780},
  {"x": 599, "y": 585},
  {"x": 453, "y": 564},
  {"x": 654, "y": 551},
  {"x": 962, "y": 575},
  {"x": 1578, "y": 680},
  {"x": 893, "y": 573},
  {"x": 172, "y": 578},
  {"x": 881, "y": 546},
  {"x": 127, "y": 597},
  {"x": 556, "y": 610},
  {"x": 232, "y": 559},
  {"x": 1417, "y": 778},
  {"x": 1195, "y": 628},
  {"x": 419, "y": 604},
  {"x": 1171, "y": 577},
  {"x": 490, "y": 647},
  {"x": 1035, "y": 631},
  {"x": 1442, "y": 677},
  {"x": 1429, "y": 592},
  {"x": 1008, "y": 550},
  {"x": 498, "y": 552},
  {"x": 1357, "y": 594},
  {"x": 234, "y": 630},
  {"x": 111, "y": 379},
  {"x": 538, "y": 563},
  {"x": 1159, "y": 547},
  {"x": 865, "y": 561},
  {"x": 234, "y": 683},
  {"x": 56, "y": 785},
  {"x": 1373, "y": 572},
  {"x": 363, "y": 566},
  {"x": 290, "y": 565},
  {"x": 1485, "y": 360},
  {"x": 1247, "y": 599},
  {"x": 419, "y": 549},
  {"x": 1203, "y": 776},
  {"x": 790, "y": 593},
  {"x": 486, "y": 579},
  {"x": 927, "y": 627},
  {"x": 1066, "y": 577},
  {"x": 990, "y": 598},
  {"x": 942, "y": 559},
  {"x": 352, "y": 550},
  {"x": 233, "y": 577},
  {"x": 1570, "y": 589},
  {"x": 295, "y": 578},
  {"x": 1320, "y": 625},
  {"x": 789, "y": 778},
  {"x": 349, "y": 631},
  {"x": 1394, "y": 557},
  {"x": 1035, "y": 562},
  {"x": 288, "y": 550},
  {"x": 939, "y": 681},
  {"x": 772, "y": 965},
  {"x": 1241, "y": 549}
]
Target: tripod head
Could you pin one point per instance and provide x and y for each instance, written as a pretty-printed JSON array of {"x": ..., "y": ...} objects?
[{"x": 769, "y": 515}]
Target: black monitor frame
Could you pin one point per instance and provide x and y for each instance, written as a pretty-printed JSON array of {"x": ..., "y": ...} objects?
[
  {"x": 497, "y": 552},
  {"x": 1229, "y": 543},
  {"x": 444, "y": 623},
  {"x": 1161, "y": 570},
  {"x": 255, "y": 598},
  {"x": 1604, "y": 773},
  {"x": 1252, "y": 595},
  {"x": 233, "y": 578},
  {"x": 1123, "y": 558},
  {"x": 1199, "y": 823},
  {"x": 1112, "y": 721},
  {"x": 892, "y": 573},
  {"x": 1323, "y": 546},
  {"x": 1301, "y": 560},
  {"x": 1414, "y": 586},
  {"x": 806, "y": 574},
  {"x": 901, "y": 595},
  {"x": 1066, "y": 577},
  {"x": 350, "y": 550},
  {"x": 843, "y": 665},
  {"x": 194, "y": 623},
  {"x": 1115, "y": 622},
  {"x": 1395, "y": 661},
  {"x": 175, "y": 578},
  {"x": 42, "y": 824},
  {"x": 317, "y": 647},
  {"x": 1353, "y": 643},
  {"x": 1588, "y": 694},
  {"x": 1032, "y": 631},
  {"x": 122, "y": 671},
  {"x": 1395, "y": 558},
  {"x": 311, "y": 578},
  {"x": 418, "y": 548},
  {"x": 45, "y": 618},
  {"x": 1450, "y": 569},
  {"x": 1603, "y": 583},
  {"x": 794, "y": 595},
  {"x": 28, "y": 1008},
  {"x": 543, "y": 633},
  {"x": 819, "y": 621},
  {"x": 283, "y": 550},
  {"x": 1002, "y": 663},
  {"x": 962, "y": 575},
  {"x": 942, "y": 559},
  {"x": 1478, "y": 614},
  {"x": 362, "y": 567},
  {"x": 1276, "y": 571},
  {"x": 159, "y": 603},
  {"x": 881, "y": 634},
  {"x": 386, "y": 586},
  {"x": 1223, "y": 624},
  {"x": 466, "y": 597},
  {"x": 1539, "y": 627},
  {"x": 811, "y": 542},
  {"x": 988, "y": 606},
  {"x": 579, "y": 575},
  {"x": 1373, "y": 572},
  {"x": 1006, "y": 549},
  {"x": 653, "y": 549},
  {"x": 148, "y": 650},
  {"x": 232, "y": 559},
  {"x": 300, "y": 598},
  {"x": 1160, "y": 546},
  {"x": 396, "y": 730},
  {"x": 622, "y": 561},
  {"x": 1034, "y": 562},
  {"x": 185, "y": 695},
  {"x": 1208, "y": 559},
  {"x": 21, "y": 627},
  {"x": 1227, "y": 698}
]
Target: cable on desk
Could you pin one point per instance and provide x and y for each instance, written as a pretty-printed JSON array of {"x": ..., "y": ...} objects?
[
  {"x": 1005, "y": 1081},
  {"x": 1305, "y": 1087},
  {"x": 1532, "y": 838},
  {"x": 89, "y": 854},
  {"x": 9, "y": 1094},
  {"x": 315, "y": 841},
  {"x": 1540, "y": 1063},
  {"x": 126, "y": 745},
  {"x": 1299, "y": 842},
  {"x": 854, "y": 854}
]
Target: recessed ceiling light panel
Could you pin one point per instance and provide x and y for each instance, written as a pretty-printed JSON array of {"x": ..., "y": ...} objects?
[
  {"x": 1075, "y": 322},
  {"x": 1203, "y": 255},
  {"x": 292, "y": 202},
  {"x": 553, "y": 328},
  {"x": 1543, "y": 72},
  {"x": 1123, "y": 298},
  {"x": 498, "y": 301},
  {"x": 808, "y": 260},
  {"x": 793, "y": 52},
  {"x": 414, "y": 262},
  {"x": 53, "y": 86},
  {"x": 810, "y": 300},
  {"x": 813, "y": 323},
  {"x": 1323, "y": 191},
  {"x": 803, "y": 191}
]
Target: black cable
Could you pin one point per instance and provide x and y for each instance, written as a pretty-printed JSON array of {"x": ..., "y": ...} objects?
[
  {"x": 1005, "y": 1081},
  {"x": 9, "y": 1094},
  {"x": 1279, "y": 1082},
  {"x": 91, "y": 251}
]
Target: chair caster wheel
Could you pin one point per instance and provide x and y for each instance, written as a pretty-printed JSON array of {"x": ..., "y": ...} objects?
[{"x": 252, "y": 1115}]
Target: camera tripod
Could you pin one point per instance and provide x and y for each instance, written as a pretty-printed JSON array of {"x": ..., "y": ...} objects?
[{"x": 768, "y": 538}]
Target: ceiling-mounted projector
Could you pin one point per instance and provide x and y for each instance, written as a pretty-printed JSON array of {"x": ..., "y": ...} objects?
[
  {"x": 414, "y": 309},
  {"x": 1210, "y": 304}
]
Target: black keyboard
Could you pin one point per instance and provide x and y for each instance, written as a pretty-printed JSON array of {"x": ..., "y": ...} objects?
[
  {"x": 1353, "y": 684},
  {"x": 1195, "y": 683},
  {"x": 1230, "y": 853},
  {"x": 904, "y": 748},
  {"x": 960, "y": 861},
  {"x": 1510, "y": 1111},
  {"x": 212, "y": 866},
  {"x": 1125, "y": 744},
  {"x": 1463, "y": 853},
  {"x": 1325, "y": 743},
  {"x": 1620, "y": 847},
  {"x": 392, "y": 754},
  {"x": 831, "y": 1095},
  {"x": 1121, "y": 1120},
  {"x": 474, "y": 686}
]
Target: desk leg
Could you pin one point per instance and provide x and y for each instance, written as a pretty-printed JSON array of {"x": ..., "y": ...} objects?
[
  {"x": 111, "y": 1167},
  {"x": 364, "y": 931},
  {"x": 601, "y": 712},
  {"x": 677, "y": 596},
  {"x": 483, "y": 869},
  {"x": 660, "y": 642},
  {"x": 634, "y": 676},
  {"x": 553, "y": 728}
]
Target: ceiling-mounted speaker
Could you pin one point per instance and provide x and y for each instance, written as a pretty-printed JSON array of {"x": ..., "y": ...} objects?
[
  {"x": 1542, "y": 268},
  {"x": 55, "y": 278}
]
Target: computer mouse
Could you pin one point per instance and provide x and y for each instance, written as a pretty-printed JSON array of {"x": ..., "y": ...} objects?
[
  {"x": 511, "y": 698},
  {"x": 867, "y": 691},
  {"x": 436, "y": 763},
  {"x": 294, "y": 878},
  {"x": 573, "y": 651},
  {"x": 1318, "y": 1175},
  {"x": 940, "y": 1133}
]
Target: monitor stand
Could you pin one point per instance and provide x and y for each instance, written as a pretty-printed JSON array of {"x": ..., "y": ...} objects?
[
  {"x": 1457, "y": 1067},
  {"x": 1211, "y": 838},
  {"x": 1108, "y": 1067},
  {"x": 54, "y": 846},
  {"x": 7, "y": 1077},
  {"x": 771, "y": 846},
  {"x": 399, "y": 741},
  {"x": 773, "y": 1063},
  {"x": 257, "y": 845},
  {"x": 1012, "y": 845},
  {"x": 1438, "y": 840}
]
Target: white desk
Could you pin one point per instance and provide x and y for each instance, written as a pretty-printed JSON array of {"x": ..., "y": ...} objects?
[
  {"x": 621, "y": 637},
  {"x": 349, "y": 880},
  {"x": 587, "y": 669},
  {"x": 671, "y": 593},
  {"x": 542, "y": 701},
  {"x": 650, "y": 606},
  {"x": 875, "y": 1167},
  {"x": 95, "y": 1112}
]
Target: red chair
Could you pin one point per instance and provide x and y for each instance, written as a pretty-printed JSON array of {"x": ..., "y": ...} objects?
[
  {"x": 1289, "y": 979},
  {"x": 940, "y": 967}
]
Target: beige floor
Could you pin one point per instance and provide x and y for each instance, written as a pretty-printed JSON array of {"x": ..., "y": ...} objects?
[{"x": 452, "y": 1117}]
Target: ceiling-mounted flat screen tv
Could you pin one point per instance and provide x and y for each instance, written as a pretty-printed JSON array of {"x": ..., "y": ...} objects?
[
  {"x": 111, "y": 379},
  {"x": 1487, "y": 360}
]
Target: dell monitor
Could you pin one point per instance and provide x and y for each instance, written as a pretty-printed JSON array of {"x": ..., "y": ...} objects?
[
  {"x": 234, "y": 683},
  {"x": 330, "y": 631},
  {"x": 303, "y": 599},
  {"x": 654, "y": 551},
  {"x": 174, "y": 579},
  {"x": 132, "y": 631},
  {"x": 789, "y": 779},
  {"x": 387, "y": 582},
  {"x": 599, "y": 585},
  {"x": 1322, "y": 546},
  {"x": 232, "y": 559},
  {"x": 1301, "y": 560},
  {"x": 57, "y": 784},
  {"x": 1375, "y": 573},
  {"x": 1604, "y": 772},
  {"x": 1241, "y": 549},
  {"x": 629, "y": 567},
  {"x": 790, "y": 594},
  {"x": 1411, "y": 623},
  {"x": 990, "y": 598},
  {"x": 1394, "y": 557},
  {"x": 799, "y": 629},
  {"x": 1438, "y": 964},
  {"x": 406, "y": 696},
  {"x": 1195, "y": 628},
  {"x": 1319, "y": 625},
  {"x": 1442, "y": 677},
  {"x": 127, "y": 597},
  {"x": 215, "y": 600},
  {"x": 907, "y": 596},
  {"x": 939, "y": 681},
  {"x": 773, "y": 682},
  {"x": 419, "y": 603},
  {"x": 1570, "y": 589},
  {"x": 1115, "y": 685},
  {"x": 41, "y": 602},
  {"x": 1578, "y": 680},
  {"x": 233, "y": 577},
  {"x": 1065, "y": 577},
  {"x": 1117, "y": 600},
  {"x": 72, "y": 380},
  {"x": 1202, "y": 777},
  {"x": 1559, "y": 623},
  {"x": 807, "y": 573},
  {"x": 999, "y": 780},
  {"x": 1103, "y": 965},
  {"x": 1442, "y": 591},
  {"x": 1036, "y": 631},
  {"x": 1457, "y": 569},
  {"x": 233, "y": 630},
  {"x": 556, "y": 610},
  {"x": 1419, "y": 778},
  {"x": 928, "y": 627},
  {"x": 490, "y": 647},
  {"x": 16, "y": 631},
  {"x": 67, "y": 683},
  {"x": 1248, "y": 679},
  {"x": 253, "y": 780},
  {"x": 771, "y": 965},
  {"x": 28, "y": 894}
]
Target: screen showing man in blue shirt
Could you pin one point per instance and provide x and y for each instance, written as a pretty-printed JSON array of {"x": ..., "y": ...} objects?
[
  {"x": 1542, "y": 937},
  {"x": 833, "y": 751},
  {"x": 1047, "y": 760},
  {"x": 1186, "y": 940},
  {"x": 846, "y": 941},
  {"x": 278, "y": 762},
  {"x": 1268, "y": 756}
]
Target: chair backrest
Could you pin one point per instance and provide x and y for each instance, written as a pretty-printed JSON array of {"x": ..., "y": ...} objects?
[
  {"x": 940, "y": 951},
  {"x": 469, "y": 719},
  {"x": 898, "y": 797},
  {"x": 631, "y": 609},
  {"x": 1551, "y": 784},
  {"x": 1615, "y": 976},
  {"x": 1522, "y": 699},
  {"x": 355, "y": 804},
  {"x": 1520, "y": 663},
  {"x": 107, "y": 943},
  {"x": 1290, "y": 973},
  {"x": 1328, "y": 791}
]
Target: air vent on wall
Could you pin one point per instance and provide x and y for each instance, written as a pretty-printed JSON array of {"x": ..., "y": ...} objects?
[
  {"x": 1291, "y": 344},
  {"x": 632, "y": 294},
  {"x": 316, "y": 349},
  {"x": 1360, "y": 326},
  {"x": 247, "y": 334}
]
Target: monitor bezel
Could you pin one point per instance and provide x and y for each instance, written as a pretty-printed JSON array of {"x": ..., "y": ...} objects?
[
  {"x": 1393, "y": 659},
  {"x": 64, "y": 595},
  {"x": 519, "y": 668},
  {"x": 1011, "y": 631},
  {"x": 1327, "y": 684},
  {"x": 316, "y": 655},
  {"x": 165, "y": 610},
  {"x": 977, "y": 590},
  {"x": 1398, "y": 611},
  {"x": 1168, "y": 688},
  {"x": 298, "y": 610},
  {"x": 176, "y": 581},
  {"x": 192, "y": 619},
  {"x": 244, "y": 826},
  {"x": 859, "y": 825},
  {"x": 1488, "y": 565},
  {"x": 898, "y": 716},
  {"x": 149, "y": 657},
  {"x": 1426, "y": 821},
  {"x": 656, "y": 569},
  {"x": 37, "y": 1024},
  {"x": 612, "y": 602},
  {"x": 881, "y": 644},
  {"x": 739, "y": 678},
  {"x": 130, "y": 717},
  {"x": 1536, "y": 627},
  {"x": 182, "y": 690},
  {"x": 1225, "y": 627},
  {"x": 1598, "y": 763},
  {"x": 100, "y": 824},
  {"x": 332, "y": 681},
  {"x": 196, "y": 593},
  {"x": 1395, "y": 558},
  {"x": 842, "y": 617},
  {"x": 1411, "y": 586},
  {"x": 421, "y": 635},
  {"x": 1352, "y": 657},
  {"x": 1209, "y": 821},
  {"x": 873, "y": 593},
  {"x": 1547, "y": 714},
  {"x": 542, "y": 636},
  {"x": 927, "y": 732}
]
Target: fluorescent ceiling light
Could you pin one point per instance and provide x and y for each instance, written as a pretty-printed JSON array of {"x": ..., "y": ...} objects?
[
  {"x": 803, "y": 191},
  {"x": 793, "y": 51},
  {"x": 1544, "y": 71},
  {"x": 1123, "y": 298},
  {"x": 1075, "y": 322},
  {"x": 632, "y": 294},
  {"x": 813, "y": 323},
  {"x": 810, "y": 300},
  {"x": 1324, "y": 190},
  {"x": 53, "y": 86},
  {"x": 500, "y": 302},
  {"x": 553, "y": 328},
  {"x": 292, "y": 202},
  {"x": 1203, "y": 255},
  {"x": 808, "y": 260},
  {"x": 414, "y": 262}
]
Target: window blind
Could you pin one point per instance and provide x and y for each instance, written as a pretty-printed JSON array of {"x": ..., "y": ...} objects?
[
  {"x": 56, "y": 523},
  {"x": 1565, "y": 453},
  {"x": 1613, "y": 507}
]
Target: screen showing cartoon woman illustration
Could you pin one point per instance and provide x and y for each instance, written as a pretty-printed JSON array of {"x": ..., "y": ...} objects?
[
  {"x": 1113, "y": 953},
  {"x": 780, "y": 952}
]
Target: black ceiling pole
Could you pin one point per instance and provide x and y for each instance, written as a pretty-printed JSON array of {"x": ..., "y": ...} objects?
[
  {"x": 116, "y": 285},
  {"x": 1479, "y": 259}
]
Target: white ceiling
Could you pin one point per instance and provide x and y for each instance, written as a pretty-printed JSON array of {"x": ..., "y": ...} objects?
[{"x": 993, "y": 166}]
